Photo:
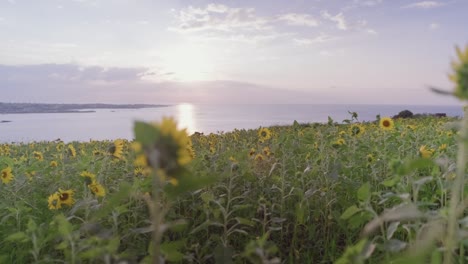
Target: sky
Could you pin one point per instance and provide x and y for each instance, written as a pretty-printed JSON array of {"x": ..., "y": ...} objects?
[{"x": 238, "y": 51}]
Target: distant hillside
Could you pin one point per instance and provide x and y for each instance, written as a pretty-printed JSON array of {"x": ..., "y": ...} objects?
[{"x": 28, "y": 108}]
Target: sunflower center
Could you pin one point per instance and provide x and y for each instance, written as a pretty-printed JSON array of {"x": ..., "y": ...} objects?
[
  {"x": 264, "y": 134},
  {"x": 64, "y": 196},
  {"x": 112, "y": 149},
  {"x": 386, "y": 123},
  {"x": 4, "y": 174},
  {"x": 356, "y": 130}
]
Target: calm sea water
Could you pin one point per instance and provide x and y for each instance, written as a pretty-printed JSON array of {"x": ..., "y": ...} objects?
[{"x": 117, "y": 123}]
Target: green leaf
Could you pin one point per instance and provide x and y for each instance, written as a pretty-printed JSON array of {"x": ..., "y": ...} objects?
[
  {"x": 115, "y": 200},
  {"x": 352, "y": 210},
  {"x": 364, "y": 192},
  {"x": 391, "y": 182},
  {"x": 223, "y": 255},
  {"x": 18, "y": 237},
  {"x": 32, "y": 225},
  {"x": 171, "y": 252},
  {"x": 63, "y": 226},
  {"x": 145, "y": 133},
  {"x": 244, "y": 221}
]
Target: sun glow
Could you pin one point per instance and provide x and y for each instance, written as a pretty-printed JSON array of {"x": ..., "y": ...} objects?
[
  {"x": 186, "y": 118},
  {"x": 189, "y": 63}
]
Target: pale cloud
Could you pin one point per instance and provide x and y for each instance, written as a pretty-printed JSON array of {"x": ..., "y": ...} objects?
[
  {"x": 424, "y": 5},
  {"x": 339, "y": 19},
  {"x": 142, "y": 22},
  {"x": 434, "y": 26},
  {"x": 218, "y": 17},
  {"x": 367, "y": 2},
  {"x": 309, "y": 41},
  {"x": 295, "y": 19}
]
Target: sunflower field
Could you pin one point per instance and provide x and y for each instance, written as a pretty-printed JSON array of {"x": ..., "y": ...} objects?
[{"x": 294, "y": 194}]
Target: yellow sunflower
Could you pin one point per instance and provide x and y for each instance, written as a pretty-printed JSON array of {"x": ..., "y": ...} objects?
[
  {"x": 38, "y": 155},
  {"x": 54, "y": 201},
  {"x": 442, "y": 147},
  {"x": 71, "y": 151},
  {"x": 116, "y": 149},
  {"x": 252, "y": 152},
  {"x": 259, "y": 157},
  {"x": 264, "y": 134},
  {"x": 266, "y": 151},
  {"x": 6, "y": 175},
  {"x": 173, "y": 143},
  {"x": 386, "y": 123},
  {"x": 89, "y": 177},
  {"x": 426, "y": 152},
  {"x": 339, "y": 142},
  {"x": 460, "y": 73},
  {"x": 53, "y": 164},
  {"x": 97, "y": 189},
  {"x": 356, "y": 130},
  {"x": 66, "y": 197}
]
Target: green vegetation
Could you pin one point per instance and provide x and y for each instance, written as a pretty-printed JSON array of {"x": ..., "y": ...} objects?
[{"x": 299, "y": 194}]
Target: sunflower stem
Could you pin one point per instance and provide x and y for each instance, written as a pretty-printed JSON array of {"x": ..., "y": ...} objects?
[
  {"x": 457, "y": 190},
  {"x": 155, "y": 216}
]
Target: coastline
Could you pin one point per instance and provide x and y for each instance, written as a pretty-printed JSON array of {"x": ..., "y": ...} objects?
[{"x": 33, "y": 108}]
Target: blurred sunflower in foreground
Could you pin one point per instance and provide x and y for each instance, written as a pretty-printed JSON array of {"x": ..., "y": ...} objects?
[
  {"x": 460, "y": 73},
  {"x": 164, "y": 148}
]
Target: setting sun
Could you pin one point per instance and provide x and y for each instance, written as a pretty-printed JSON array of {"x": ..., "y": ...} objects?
[{"x": 188, "y": 63}]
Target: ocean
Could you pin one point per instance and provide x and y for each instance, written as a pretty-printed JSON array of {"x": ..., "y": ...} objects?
[{"x": 118, "y": 123}]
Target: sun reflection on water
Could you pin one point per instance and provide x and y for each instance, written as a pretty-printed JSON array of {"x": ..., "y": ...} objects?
[{"x": 185, "y": 117}]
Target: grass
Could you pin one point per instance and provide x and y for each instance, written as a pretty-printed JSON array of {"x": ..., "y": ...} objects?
[{"x": 305, "y": 195}]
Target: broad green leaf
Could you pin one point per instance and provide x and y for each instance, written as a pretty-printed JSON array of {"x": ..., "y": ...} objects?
[
  {"x": 18, "y": 237},
  {"x": 352, "y": 210},
  {"x": 364, "y": 192},
  {"x": 145, "y": 133}
]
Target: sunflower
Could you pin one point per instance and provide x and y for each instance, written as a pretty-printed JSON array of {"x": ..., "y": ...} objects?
[
  {"x": 443, "y": 147},
  {"x": 140, "y": 160},
  {"x": 71, "y": 151},
  {"x": 38, "y": 155},
  {"x": 30, "y": 174},
  {"x": 252, "y": 152},
  {"x": 386, "y": 123},
  {"x": 54, "y": 201},
  {"x": 66, "y": 197},
  {"x": 89, "y": 177},
  {"x": 97, "y": 152},
  {"x": 264, "y": 134},
  {"x": 259, "y": 157},
  {"x": 339, "y": 142},
  {"x": 356, "y": 130},
  {"x": 266, "y": 151},
  {"x": 97, "y": 189},
  {"x": 6, "y": 175},
  {"x": 116, "y": 149},
  {"x": 425, "y": 152},
  {"x": 171, "y": 145},
  {"x": 53, "y": 164},
  {"x": 460, "y": 73}
]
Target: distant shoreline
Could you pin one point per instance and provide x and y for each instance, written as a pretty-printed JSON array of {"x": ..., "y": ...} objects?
[{"x": 32, "y": 108}]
